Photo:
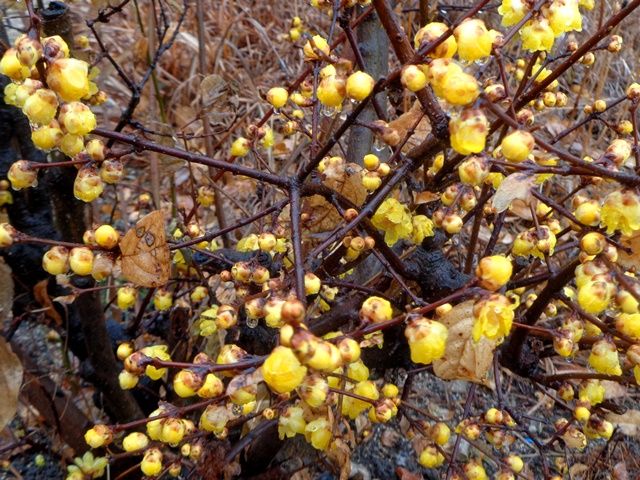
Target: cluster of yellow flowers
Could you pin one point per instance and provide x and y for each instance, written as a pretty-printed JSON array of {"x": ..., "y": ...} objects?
[
  {"x": 398, "y": 223},
  {"x": 50, "y": 87},
  {"x": 555, "y": 19}
]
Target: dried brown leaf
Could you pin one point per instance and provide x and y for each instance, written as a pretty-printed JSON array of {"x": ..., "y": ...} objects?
[
  {"x": 426, "y": 197},
  {"x": 339, "y": 454},
  {"x": 404, "y": 474},
  {"x": 408, "y": 120},
  {"x": 628, "y": 422},
  {"x": 464, "y": 359},
  {"x": 631, "y": 259},
  {"x": 42, "y": 297},
  {"x": 515, "y": 186},
  {"x": 345, "y": 180},
  {"x": 10, "y": 381}
]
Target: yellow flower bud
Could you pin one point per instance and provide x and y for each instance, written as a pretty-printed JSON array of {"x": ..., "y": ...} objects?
[
  {"x": 473, "y": 39},
  {"x": 47, "y": 137},
  {"x": 240, "y": 147},
  {"x": 106, "y": 236},
  {"x": 517, "y": 146},
  {"x": 352, "y": 407},
  {"x": 431, "y": 457},
  {"x": 127, "y": 380},
  {"x": 469, "y": 132},
  {"x": 427, "y": 340},
  {"x": 594, "y": 297},
  {"x": 431, "y": 32},
  {"x": 359, "y": 85},
  {"x": 151, "y": 464},
  {"x": 314, "y": 390},
  {"x": 316, "y": 48},
  {"x": 69, "y": 78},
  {"x": 282, "y": 371},
  {"x": 277, "y": 97},
  {"x": 604, "y": 357},
  {"x": 212, "y": 387},
  {"x": 440, "y": 433},
  {"x": 135, "y": 441},
  {"x": 98, "y": 436},
  {"x": 56, "y": 260},
  {"x": 494, "y": 272},
  {"x": 162, "y": 300},
  {"x": 22, "y": 175},
  {"x": 493, "y": 317},
  {"x": 413, "y": 78},
  {"x": 291, "y": 422},
  {"x": 537, "y": 35},
  {"x": 591, "y": 391},
  {"x": 81, "y": 260},
  {"x": 462, "y": 88},
  {"x": 376, "y": 310},
  {"x": 41, "y": 107},
  {"x": 11, "y": 67},
  {"x": 88, "y": 185}
]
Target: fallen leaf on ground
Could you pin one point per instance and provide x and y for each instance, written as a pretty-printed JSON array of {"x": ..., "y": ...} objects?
[
  {"x": 404, "y": 474},
  {"x": 628, "y": 423},
  {"x": 10, "y": 381}
]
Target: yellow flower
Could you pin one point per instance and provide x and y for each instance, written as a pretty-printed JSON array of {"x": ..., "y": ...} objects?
[
  {"x": 629, "y": 324},
  {"x": 352, "y": 407},
  {"x": 160, "y": 352},
  {"x": 494, "y": 271},
  {"x": 431, "y": 457},
  {"x": 376, "y": 310},
  {"x": 469, "y": 132},
  {"x": 493, "y": 317},
  {"x": 422, "y": 228},
  {"x": 98, "y": 436},
  {"x": 512, "y": 11},
  {"x": 591, "y": 391},
  {"x": 248, "y": 243},
  {"x": 427, "y": 340},
  {"x": 474, "y": 40},
  {"x": 357, "y": 371},
  {"x": 437, "y": 73},
  {"x": 462, "y": 88},
  {"x": 537, "y": 35},
  {"x": 290, "y": 422},
  {"x": 394, "y": 219},
  {"x": 604, "y": 357},
  {"x": 282, "y": 371},
  {"x": 564, "y": 16},
  {"x": 69, "y": 78},
  {"x": 621, "y": 211},
  {"x": 517, "y": 146},
  {"x": 595, "y": 296},
  {"x": 318, "y": 433}
]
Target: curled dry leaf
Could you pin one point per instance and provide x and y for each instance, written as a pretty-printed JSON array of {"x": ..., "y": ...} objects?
[
  {"x": 146, "y": 260},
  {"x": 10, "y": 381},
  {"x": 41, "y": 295},
  {"x": 515, "y": 186},
  {"x": 464, "y": 359},
  {"x": 347, "y": 181},
  {"x": 407, "y": 121},
  {"x": 339, "y": 454}
]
